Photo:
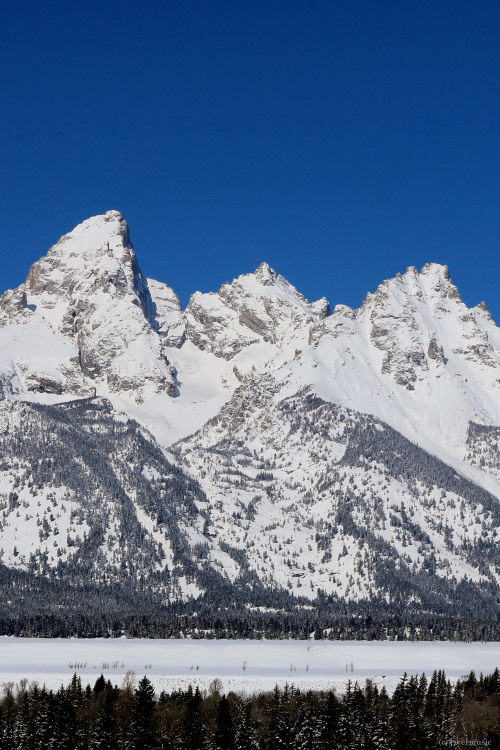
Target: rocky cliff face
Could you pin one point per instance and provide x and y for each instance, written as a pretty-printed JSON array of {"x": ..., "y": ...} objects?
[
  {"x": 351, "y": 454},
  {"x": 255, "y": 308},
  {"x": 417, "y": 320},
  {"x": 90, "y": 290}
]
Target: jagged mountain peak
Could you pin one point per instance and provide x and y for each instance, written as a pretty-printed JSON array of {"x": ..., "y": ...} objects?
[
  {"x": 432, "y": 285},
  {"x": 96, "y": 252},
  {"x": 417, "y": 316},
  {"x": 265, "y": 274},
  {"x": 265, "y": 282},
  {"x": 436, "y": 269},
  {"x": 107, "y": 227},
  {"x": 433, "y": 281},
  {"x": 256, "y": 307},
  {"x": 97, "y": 248},
  {"x": 482, "y": 310},
  {"x": 90, "y": 292},
  {"x": 414, "y": 355}
]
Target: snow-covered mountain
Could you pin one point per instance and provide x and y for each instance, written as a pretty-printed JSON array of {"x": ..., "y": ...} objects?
[
  {"x": 89, "y": 319},
  {"x": 254, "y": 442}
]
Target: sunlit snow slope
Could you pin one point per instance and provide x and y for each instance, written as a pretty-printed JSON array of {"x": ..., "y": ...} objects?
[{"x": 352, "y": 454}]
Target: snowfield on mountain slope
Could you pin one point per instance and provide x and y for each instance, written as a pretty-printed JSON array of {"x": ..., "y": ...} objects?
[
  {"x": 243, "y": 666},
  {"x": 414, "y": 355},
  {"x": 229, "y": 388},
  {"x": 280, "y": 486}
]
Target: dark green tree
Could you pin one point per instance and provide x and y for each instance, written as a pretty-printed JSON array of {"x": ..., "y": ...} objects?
[
  {"x": 223, "y": 738},
  {"x": 142, "y": 727},
  {"x": 105, "y": 731},
  {"x": 245, "y": 735},
  {"x": 193, "y": 731}
]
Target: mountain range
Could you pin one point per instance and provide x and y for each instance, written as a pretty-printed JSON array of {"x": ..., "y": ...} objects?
[{"x": 253, "y": 450}]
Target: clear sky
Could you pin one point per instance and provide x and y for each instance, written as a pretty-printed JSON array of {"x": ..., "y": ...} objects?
[{"x": 339, "y": 140}]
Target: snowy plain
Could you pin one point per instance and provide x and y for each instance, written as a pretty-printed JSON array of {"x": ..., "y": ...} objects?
[{"x": 241, "y": 665}]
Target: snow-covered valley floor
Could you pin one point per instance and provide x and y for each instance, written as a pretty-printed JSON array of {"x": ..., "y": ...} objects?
[{"x": 241, "y": 666}]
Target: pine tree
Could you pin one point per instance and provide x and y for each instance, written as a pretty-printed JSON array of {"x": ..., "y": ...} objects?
[
  {"x": 279, "y": 731},
  {"x": 348, "y": 731},
  {"x": 398, "y": 720},
  {"x": 66, "y": 734},
  {"x": 8, "y": 719},
  {"x": 439, "y": 705},
  {"x": 245, "y": 735},
  {"x": 74, "y": 690},
  {"x": 100, "y": 685},
  {"x": 142, "y": 727},
  {"x": 308, "y": 731},
  {"x": 379, "y": 739},
  {"x": 374, "y": 718},
  {"x": 193, "y": 730},
  {"x": 105, "y": 731},
  {"x": 408, "y": 725},
  {"x": 494, "y": 682},
  {"x": 223, "y": 738},
  {"x": 45, "y": 723},
  {"x": 23, "y": 727}
]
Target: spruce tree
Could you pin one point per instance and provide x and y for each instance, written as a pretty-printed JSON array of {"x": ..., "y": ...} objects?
[
  {"x": 66, "y": 734},
  {"x": 223, "y": 738},
  {"x": 348, "y": 729},
  {"x": 23, "y": 727},
  {"x": 45, "y": 723},
  {"x": 379, "y": 739},
  {"x": 329, "y": 717},
  {"x": 142, "y": 727},
  {"x": 105, "y": 730},
  {"x": 279, "y": 732},
  {"x": 245, "y": 735},
  {"x": 308, "y": 731},
  {"x": 193, "y": 730}
]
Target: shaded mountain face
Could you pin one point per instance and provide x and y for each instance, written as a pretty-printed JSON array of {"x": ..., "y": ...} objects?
[
  {"x": 91, "y": 497},
  {"x": 254, "y": 443}
]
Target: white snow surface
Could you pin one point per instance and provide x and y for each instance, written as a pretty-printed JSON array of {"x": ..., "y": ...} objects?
[
  {"x": 413, "y": 355},
  {"x": 241, "y": 665}
]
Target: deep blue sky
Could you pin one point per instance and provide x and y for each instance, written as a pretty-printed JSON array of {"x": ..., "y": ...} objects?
[{"x": 341, "y": 141}]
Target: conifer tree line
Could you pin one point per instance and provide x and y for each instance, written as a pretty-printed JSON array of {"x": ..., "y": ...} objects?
[
  {"x": 180, "y": 621},
  {"x": 421, "y": 714}
]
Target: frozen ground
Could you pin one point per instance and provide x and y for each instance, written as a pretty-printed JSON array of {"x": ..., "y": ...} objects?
[{"x": 242, "y": 666}]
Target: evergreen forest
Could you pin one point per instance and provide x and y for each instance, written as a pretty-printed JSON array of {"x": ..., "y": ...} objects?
[{"x": 421, "y": 714}]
